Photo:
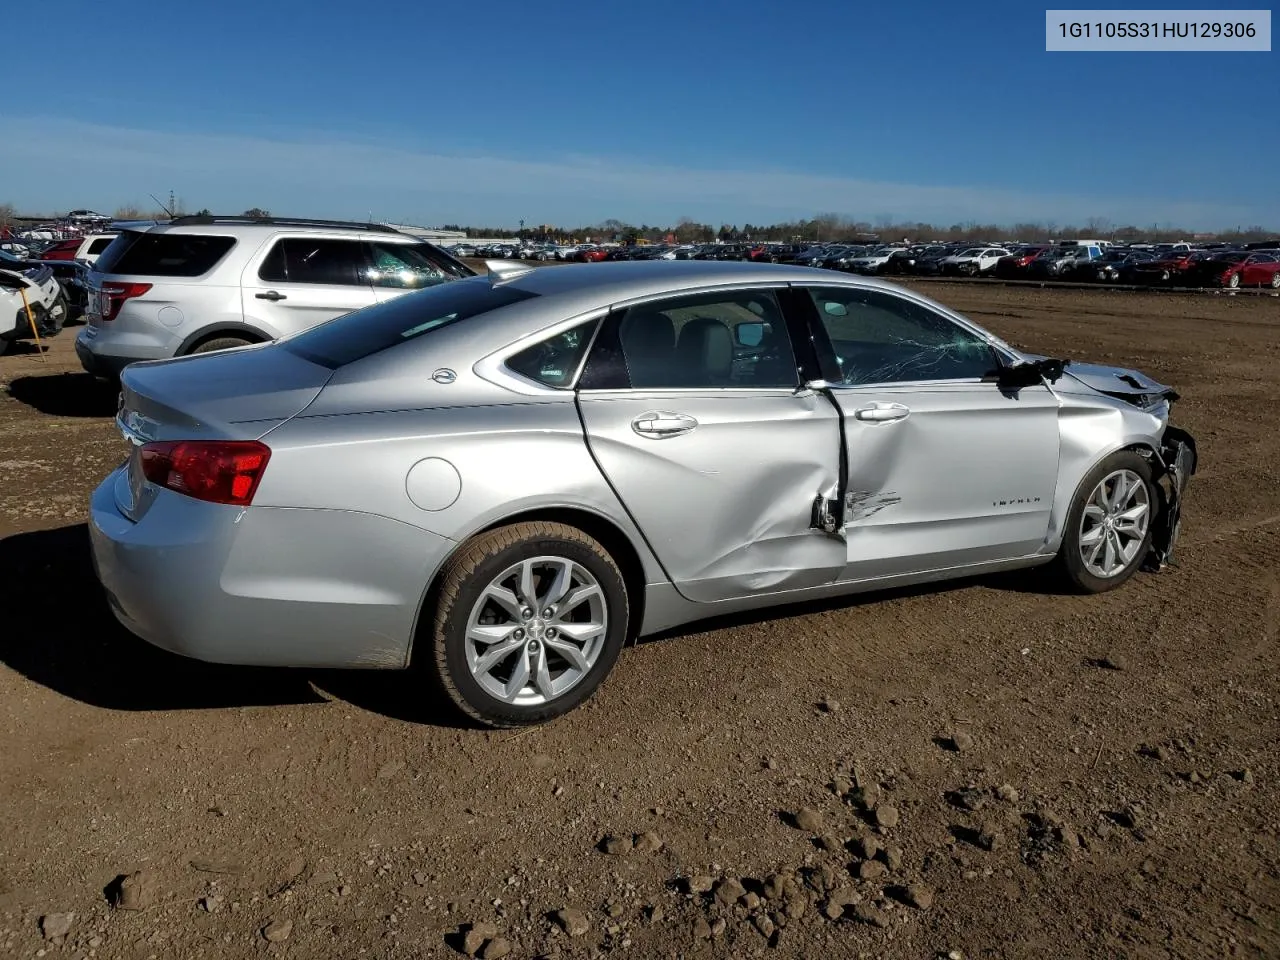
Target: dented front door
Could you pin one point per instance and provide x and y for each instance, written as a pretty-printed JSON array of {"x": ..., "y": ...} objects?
[
  {"x": 722, "y": 483},
  {"x": 946, "y": 474}
]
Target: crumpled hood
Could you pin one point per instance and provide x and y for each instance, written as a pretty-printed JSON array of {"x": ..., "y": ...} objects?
[{"x": 1113, "y": 381}]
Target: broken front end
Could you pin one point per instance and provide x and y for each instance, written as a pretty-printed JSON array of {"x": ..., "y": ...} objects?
[{"x": 1174, "y": 464}]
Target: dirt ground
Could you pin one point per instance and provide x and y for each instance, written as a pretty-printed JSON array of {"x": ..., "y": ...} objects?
[{"x": 1110, "y": 790}]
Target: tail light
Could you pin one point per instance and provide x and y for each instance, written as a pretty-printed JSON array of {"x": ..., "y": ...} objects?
[
  {"x": 219, "y": 471},
  {"x": 115, "y": 294}
]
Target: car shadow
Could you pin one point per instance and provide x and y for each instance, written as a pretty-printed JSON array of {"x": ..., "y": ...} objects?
[
  {"x": 59, "y": 632},
  {"x": 18, "y": 348},
  {"x": 67, "y": 394}
]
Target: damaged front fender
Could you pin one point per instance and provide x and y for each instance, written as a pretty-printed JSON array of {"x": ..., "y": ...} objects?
[{"x": 1176, "y": 462}]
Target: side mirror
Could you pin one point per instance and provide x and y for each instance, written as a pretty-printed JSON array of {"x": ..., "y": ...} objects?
[{"x": 1031, "y": 373}]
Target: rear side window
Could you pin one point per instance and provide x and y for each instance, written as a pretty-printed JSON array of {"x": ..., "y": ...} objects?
[
  {"x": 304, "y": 260},
  {"x": 164, "y": 254},
  {"x": 554, "y": 361},
  {"x": 363, "y": 333},
  {"x": 97, "y": 246}
]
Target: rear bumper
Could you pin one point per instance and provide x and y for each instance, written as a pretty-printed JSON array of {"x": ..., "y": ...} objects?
[
  {"x": 99, "y": 365},
  {"x": 263, "y": 586},
  {"x": 98, "y": 358}
]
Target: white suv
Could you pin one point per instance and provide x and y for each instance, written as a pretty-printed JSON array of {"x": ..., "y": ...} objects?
[
  {"x": 195, "y": 284},
  {"x": 973, "y": 261}
]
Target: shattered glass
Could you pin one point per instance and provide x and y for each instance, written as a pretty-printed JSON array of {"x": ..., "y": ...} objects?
[{"x": 882, "y": 338}]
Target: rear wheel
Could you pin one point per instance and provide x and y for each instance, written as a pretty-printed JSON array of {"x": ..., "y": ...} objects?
[
  {"x": 529, "y": 621},
  {"x": 1275, "y": 280},
  {"x": 1108, "y": 529},
  {"x": 221, "y": 343}
]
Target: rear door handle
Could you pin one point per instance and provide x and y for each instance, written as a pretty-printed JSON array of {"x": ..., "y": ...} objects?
[
  {"x": 882, "y": 412},
  {"x": 271, "y": 295},
  {"x": 658, "y": 424}
]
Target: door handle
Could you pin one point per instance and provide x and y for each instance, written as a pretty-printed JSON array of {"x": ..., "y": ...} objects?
[
  {"x": 271, "y": 295},
  {"x": 659, "y": 424},
  {"x": 882, "y": 412}
]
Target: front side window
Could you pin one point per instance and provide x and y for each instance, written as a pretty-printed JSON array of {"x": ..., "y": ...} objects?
[
  {"x": 304, "y": 260},
  {"x": 883, "y": 338},
  {"x": 713, "y": 340},
  {"x": 407, "y": 266}
]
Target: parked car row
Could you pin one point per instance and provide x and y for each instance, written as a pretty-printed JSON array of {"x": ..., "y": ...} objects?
[{"x": 1080, "y": 261}]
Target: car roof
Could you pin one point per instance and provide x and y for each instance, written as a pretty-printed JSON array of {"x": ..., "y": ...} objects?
[
  {"x": 249, "y": 226},
  {"x": 618, "y": 280}
]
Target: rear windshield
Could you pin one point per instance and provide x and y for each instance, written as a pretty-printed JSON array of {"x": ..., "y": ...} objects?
[
  {"x": 163, "y": 254},
  {"x": 363, "y": 333}
]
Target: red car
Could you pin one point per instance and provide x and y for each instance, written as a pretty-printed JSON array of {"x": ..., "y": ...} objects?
[
  {"x": 62, "y": 250},
  {"x": 1170, "y": 269},
  {"x": 1016, "y": 263},
  {"x": 591, "y": 256},
  {"x": 1239, "y": 268}
]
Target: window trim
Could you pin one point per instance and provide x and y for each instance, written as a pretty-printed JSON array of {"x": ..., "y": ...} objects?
[
  {"x": 1001, "y": 352},
  {"x": 493, "y": 366},
  {"x": 577, "y": 372}
]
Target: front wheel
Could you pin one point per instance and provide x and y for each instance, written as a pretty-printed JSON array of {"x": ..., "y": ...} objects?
[
  {"x": 530, "y": 619},
  {"x": 1233, "y": 281},
  {"x": 1108, "y": 528}
]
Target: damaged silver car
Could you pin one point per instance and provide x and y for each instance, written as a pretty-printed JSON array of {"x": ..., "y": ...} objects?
[{"x": 503, "y": 479}]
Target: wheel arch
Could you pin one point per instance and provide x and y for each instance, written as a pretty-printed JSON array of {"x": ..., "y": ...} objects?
[
  {"x": 609, "y": 535},
  {"x": 223, "y": 329}
]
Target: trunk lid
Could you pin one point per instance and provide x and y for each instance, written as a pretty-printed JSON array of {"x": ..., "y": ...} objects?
[{"x": 239, "y": 394}]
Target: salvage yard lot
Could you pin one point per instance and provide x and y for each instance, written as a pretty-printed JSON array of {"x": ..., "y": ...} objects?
[{"x": 1137, "y": 730}]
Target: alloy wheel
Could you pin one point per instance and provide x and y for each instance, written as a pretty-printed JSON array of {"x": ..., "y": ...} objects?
[
  {"x": 1114, "y": 524},
  {"x": 536, "y": 631}
]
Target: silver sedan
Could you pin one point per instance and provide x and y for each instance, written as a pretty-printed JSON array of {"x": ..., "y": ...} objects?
[{"x": 505, "y": 478}]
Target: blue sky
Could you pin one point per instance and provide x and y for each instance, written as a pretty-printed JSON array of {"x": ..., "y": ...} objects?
[{"x": 569, "y": 113}]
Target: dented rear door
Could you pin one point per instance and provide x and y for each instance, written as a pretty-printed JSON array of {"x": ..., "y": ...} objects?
[{"x": 719, "y": 458}]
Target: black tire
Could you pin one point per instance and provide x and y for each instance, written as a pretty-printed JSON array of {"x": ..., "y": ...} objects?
[
  {"x": 55, "y": 317},
  {"x": 1275, "y": 281},
  {"x": 471, "y": 571},
  {"x": 1069, "y": 562},
  {"x": 1234, "y": 281},
  {"x": 220, "y": 343}
]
